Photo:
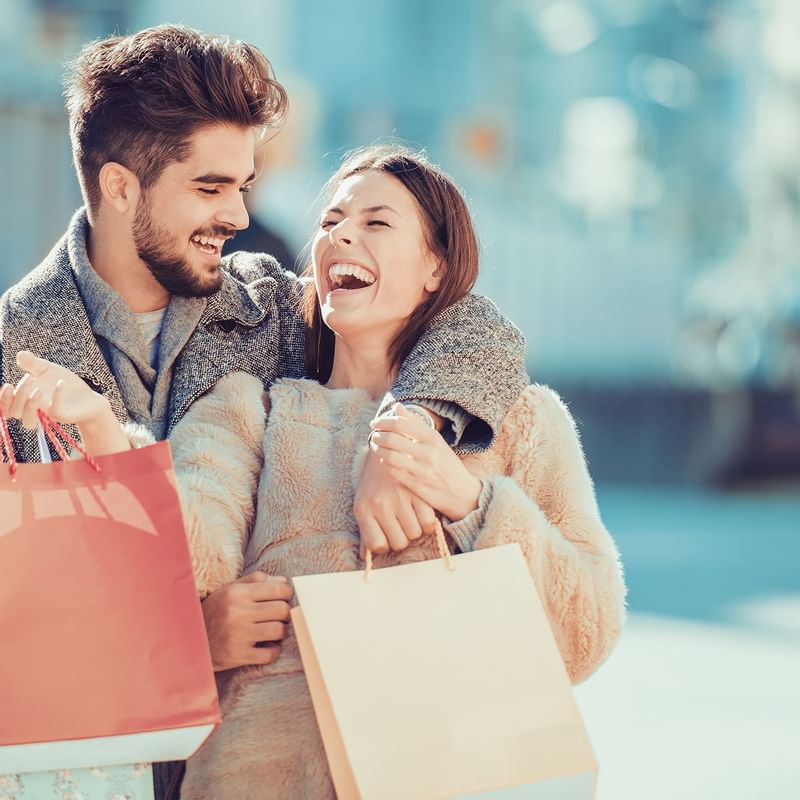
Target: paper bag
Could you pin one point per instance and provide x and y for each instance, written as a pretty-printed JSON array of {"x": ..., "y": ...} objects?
[
  {"x": 429, "y": 683},
  {"x": 105, "y": 658}
]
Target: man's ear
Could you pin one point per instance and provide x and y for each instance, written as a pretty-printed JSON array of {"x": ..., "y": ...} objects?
[
  {"x": 434, "y": 281},
  {"x": 119, "y": 187}
]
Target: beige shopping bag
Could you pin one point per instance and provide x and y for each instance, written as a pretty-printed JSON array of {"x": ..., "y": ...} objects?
[{"x": 431, "y": 682}]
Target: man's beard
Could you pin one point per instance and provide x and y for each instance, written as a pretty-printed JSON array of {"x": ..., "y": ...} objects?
[{"x": 156, "y": 248}]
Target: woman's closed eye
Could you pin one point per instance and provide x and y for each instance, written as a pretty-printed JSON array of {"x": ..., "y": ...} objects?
[{"x": 326, "y": 224}]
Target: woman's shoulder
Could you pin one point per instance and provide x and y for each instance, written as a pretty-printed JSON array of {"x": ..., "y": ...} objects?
[
  {"x": 235, "y": 401},
  {"x": 539, "y": 423},
  {"x": 538, "y": 405}
]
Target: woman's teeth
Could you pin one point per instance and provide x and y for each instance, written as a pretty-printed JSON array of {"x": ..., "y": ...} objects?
[{"x": 350, "y": 276}]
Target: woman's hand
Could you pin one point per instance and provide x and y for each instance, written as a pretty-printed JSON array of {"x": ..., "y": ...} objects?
[
  {"x": 45, "y": 386},
  {"x": 423, "y": 462},
  {"x": 66, "y": 398}
]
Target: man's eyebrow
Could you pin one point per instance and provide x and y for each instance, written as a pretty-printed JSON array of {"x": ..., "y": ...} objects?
[
  {"x": 370, "y": 210},
  {"x": 213, "y": 177}
]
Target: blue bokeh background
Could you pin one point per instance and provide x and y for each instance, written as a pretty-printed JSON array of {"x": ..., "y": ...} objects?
[{"x": 633, "y": 167}]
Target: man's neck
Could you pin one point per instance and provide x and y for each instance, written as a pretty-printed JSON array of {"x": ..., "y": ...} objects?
[{"x": 113, "y": 257}]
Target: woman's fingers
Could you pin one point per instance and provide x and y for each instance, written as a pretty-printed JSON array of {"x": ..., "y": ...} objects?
[
  {"x": 404, "y": 462},
  {"x": 6, "y": 396},
  {"x": 394, "y": 534},
  {"x": 410, "y": 426},
  {"x": 28, "y": 362},
  {"x": 393, "y": 441},
  {"x": 25, "y": 401},
  {"x": 34, "y": 390},
  {"x": 426, "y": 516},
  {"x": 372, "y": 537},
  {"x": 409, "y": 521},
  {"x": 19, "y": 396},
  {"x": 35, "y": 400}
]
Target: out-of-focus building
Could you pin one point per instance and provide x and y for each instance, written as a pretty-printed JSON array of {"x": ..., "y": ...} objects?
[{"x": 632, "y": 166}]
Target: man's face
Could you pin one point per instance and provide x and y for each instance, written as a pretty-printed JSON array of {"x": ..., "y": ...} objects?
[{"x": 184, "y": 218}]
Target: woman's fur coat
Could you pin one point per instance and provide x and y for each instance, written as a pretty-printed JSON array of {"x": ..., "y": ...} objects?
[{"x": 537, "y": 492}]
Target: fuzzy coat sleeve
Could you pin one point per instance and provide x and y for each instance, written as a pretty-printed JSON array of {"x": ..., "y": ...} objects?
[
  {"x": 546, "y": 504},
  {"x": 469, "y": 357},
  {"x": 218, "y": 452}
]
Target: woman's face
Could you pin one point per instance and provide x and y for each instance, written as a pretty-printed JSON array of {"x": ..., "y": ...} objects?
[{"x": 372, "y": 266}]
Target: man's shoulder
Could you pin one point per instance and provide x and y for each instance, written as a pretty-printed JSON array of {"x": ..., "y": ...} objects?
[
  {"x": 41, "y": 285},
  {"x": 256, "y": 281},
  {"x": 251, "y": 267}
]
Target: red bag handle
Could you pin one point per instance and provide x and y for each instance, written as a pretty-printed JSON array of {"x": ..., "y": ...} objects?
[
  {"x": 7, "y": 446},
  {"x": 52, "y": 430}
]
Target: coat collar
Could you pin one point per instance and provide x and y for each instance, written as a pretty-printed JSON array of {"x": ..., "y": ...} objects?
[
  {"x": 48, "y": 310},
  {"x": 236, "y": 301}
]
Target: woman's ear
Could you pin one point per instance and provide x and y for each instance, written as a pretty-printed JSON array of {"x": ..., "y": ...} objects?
[
  {"x": 434, "y": 280},
  {"x": 119, "y": 186}
]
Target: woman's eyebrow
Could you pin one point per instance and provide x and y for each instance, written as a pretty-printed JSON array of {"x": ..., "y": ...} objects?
[
  {"x": 373, "y": 209},
  {"x": 370, "y": 210}
]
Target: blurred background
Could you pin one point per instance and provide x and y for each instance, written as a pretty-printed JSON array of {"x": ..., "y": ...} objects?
[{"x": 633, "y": 167}]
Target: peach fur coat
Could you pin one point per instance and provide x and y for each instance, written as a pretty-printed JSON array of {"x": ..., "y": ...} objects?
[{"x": 537, "y": 492}]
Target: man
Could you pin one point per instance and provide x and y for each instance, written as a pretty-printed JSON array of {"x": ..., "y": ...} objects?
[{"x": 137, "y": 299}]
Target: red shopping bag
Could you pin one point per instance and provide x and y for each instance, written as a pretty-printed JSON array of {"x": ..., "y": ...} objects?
[{"x": 104, "y": 653}]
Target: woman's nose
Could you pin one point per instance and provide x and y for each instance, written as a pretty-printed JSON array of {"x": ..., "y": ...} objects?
[{"x": 341, "y": 234}]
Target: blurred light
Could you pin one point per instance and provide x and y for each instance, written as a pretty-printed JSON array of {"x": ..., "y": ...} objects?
[
  {"x": 699, "y": 10},
  {"x": 775, "y": 612},
  {"x": 628, "y": 12},
  {"x": 661, "y": 80},
  {"x": 482, "y": 141},
  {"x": 600, "y": 123},
  {"x": 599, "y": 169},
  {"x": 731, "y": 35},
  {"x": 739, "y": 349},
  {"x": 566, "y": 26},
  {"x": 778, "y": 127},
  {"x": 779, "y": 42}
]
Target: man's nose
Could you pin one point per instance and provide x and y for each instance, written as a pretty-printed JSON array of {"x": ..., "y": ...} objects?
[{"x": 234, "y": 214}]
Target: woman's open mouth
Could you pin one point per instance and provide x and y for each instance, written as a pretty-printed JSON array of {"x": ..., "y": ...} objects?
[{"x": 349, "y": 277}]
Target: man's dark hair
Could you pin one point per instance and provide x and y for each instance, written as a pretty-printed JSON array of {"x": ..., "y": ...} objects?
[{"x": 138, "y": 99}]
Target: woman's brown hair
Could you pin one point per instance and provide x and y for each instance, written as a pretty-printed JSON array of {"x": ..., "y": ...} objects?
[
  {"x": 138, "y": 99},
  {"x": 449, "y": 235}
]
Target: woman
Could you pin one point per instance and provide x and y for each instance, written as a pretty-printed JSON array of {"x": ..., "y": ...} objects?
[{"x": 395, "y": 247}]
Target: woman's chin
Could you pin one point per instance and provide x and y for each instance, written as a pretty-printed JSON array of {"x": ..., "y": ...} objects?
[
  {"x": 351, "y": 324},
  {"x": 343, "y": 322}
]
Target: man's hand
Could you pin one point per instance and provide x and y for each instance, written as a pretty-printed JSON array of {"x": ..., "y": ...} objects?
[
  {"x": 54, "y": 389},
  {"x": 389, "y": 516},
  {"x": 246, "y": 619},
  {"x": 65, "y": 397}
]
